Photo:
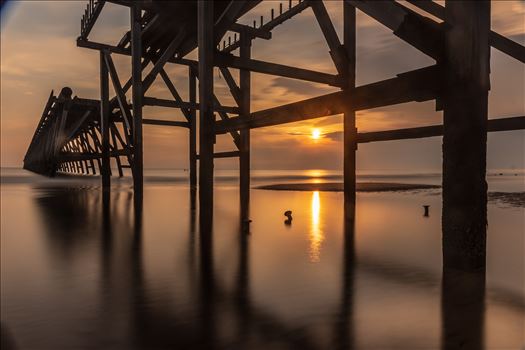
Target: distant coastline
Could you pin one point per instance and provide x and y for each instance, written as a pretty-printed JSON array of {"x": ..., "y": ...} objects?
[{"x": 338, "y": 187}]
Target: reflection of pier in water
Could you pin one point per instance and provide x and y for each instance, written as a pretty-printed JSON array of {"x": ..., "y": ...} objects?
[{"x": 124, "y": 289}]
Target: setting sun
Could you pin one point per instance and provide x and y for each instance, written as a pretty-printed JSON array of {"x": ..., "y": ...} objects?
[{"x": 316, "y": 134}]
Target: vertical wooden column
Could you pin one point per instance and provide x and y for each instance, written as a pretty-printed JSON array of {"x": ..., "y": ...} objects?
[
  {"x": 244, "y": 145},
  {"x": 350, "y": 131},
  {"x": 206, "y": 116},
  {"x": 104, "y": 121},
  {"x": 467, "y": 62},
  {"x": 136, "y": 77},
  {"x": 193, "y": 133}
]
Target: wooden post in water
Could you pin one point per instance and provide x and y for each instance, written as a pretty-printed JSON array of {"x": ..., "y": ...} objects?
[
  {"x": 104, "y": 121},
  {"x": 350, "y": 131},
  {"x": 244, "y": 145},
  {"x": 137, "y": 93},
  {"x": 467, "y": 61},
  {"x": 207, "y": 119},
  {"x": 193, "y": 132}
]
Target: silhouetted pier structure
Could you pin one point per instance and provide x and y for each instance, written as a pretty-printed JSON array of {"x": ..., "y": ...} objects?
[{"x": 165, "y": 32}]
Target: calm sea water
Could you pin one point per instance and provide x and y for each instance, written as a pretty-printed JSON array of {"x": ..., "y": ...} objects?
[{"x": 77, "y": 274}]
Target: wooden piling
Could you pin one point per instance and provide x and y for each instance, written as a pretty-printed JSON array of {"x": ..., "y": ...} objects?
[
  {"x": 467, "y": 61},
  {"x": 350, "y": 131},
  {"x": 206, "y": 116},
  {"x": 193, "y": 131},
  {"x": 244, "y": 145},
  {"x": 137, "y": 94},
  {"x": 104, "y": 123}
]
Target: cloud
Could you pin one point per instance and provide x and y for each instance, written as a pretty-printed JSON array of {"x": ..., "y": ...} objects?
[{"x": 39, "y": 53}]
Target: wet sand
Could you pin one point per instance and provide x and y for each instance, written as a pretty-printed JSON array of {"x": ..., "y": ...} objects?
[{"x": 510, "y": 199}]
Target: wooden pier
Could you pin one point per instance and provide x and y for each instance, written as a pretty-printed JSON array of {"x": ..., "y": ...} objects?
[{"x": 81, "y": 136}]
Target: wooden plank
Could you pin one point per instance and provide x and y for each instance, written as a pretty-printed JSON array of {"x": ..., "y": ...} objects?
[
  {"x": 165, "y": 122},
  {"x": 419, "y": 85},
  {"x": 493, "y": 125},
  {"x": 228, "y": 60}
]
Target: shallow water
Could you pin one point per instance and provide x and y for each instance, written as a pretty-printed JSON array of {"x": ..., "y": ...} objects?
[{"x": 77, "y": 273}]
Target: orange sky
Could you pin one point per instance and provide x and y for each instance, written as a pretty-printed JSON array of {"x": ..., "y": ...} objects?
[{"x": 39, "y": 53}]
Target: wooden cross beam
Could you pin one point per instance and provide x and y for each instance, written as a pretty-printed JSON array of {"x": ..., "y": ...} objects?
[
  {"x": 500, "y": 124},
  {"x": 152, "y": 101},
  {"x": 228, "y": 60},
  {"x": 418, "y": 85},
  {"x": 496, "y": 40},
  {"x": 417, "y": 30},
  {"x": 121, "y": 97},
  {"x": 165, "y": 122},
  {"x": 337, "y": 51},
  {"x": 161, "y": 61},
  {"x": 230, "y": 81}
]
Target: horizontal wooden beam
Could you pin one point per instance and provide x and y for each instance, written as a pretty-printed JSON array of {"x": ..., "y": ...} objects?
[
  {"x": 165, "y": 122},
  {"x": 152, "y": 101},
  {"x": 500, "y": 124},
  {"x": 229, "y": 154},
  {"x": 228, "y": 60},
  {"x": 419, "y": 85}
]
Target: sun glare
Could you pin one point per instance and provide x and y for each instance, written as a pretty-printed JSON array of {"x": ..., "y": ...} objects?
[{"x": 316, "y": 134}]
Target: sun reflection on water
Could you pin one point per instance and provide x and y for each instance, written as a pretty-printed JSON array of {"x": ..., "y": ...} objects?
[{"x": 316, "y": 234}]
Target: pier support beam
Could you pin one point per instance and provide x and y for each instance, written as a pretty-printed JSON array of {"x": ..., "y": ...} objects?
[
  {"x": 104, "y": 122},
  {"x": 350, "y": 131},
  {"x": 467, "y": 60},
  {"x": 193, "y": 135},
  {"x": 206, "y": 48},
  {"x": 244, "y": 144},
  {"x": 137, "y": 94}
]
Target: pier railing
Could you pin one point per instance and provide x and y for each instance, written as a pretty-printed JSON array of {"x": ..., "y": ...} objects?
[{"x": 93, "y": 10}]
